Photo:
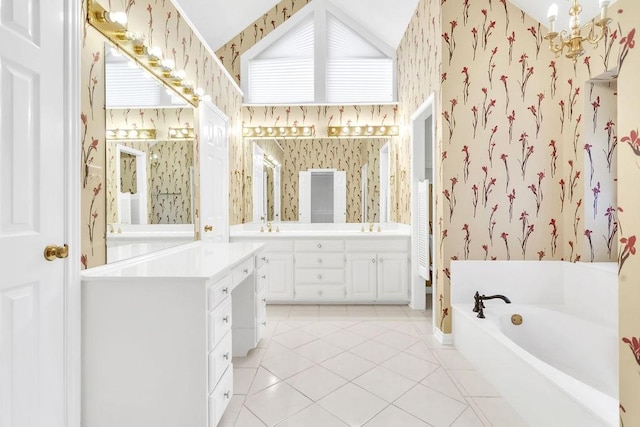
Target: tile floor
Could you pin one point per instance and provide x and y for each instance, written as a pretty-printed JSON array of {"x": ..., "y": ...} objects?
[{"x": 373, "y": 366}]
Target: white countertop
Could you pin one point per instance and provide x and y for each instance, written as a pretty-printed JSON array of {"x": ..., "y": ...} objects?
[
  {"x": 195, "y": 260},
  {"x": 300, "y": 230},
  {"x": 122, "y": 252}
]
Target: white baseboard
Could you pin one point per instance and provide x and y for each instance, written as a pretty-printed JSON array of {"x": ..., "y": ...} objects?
[{"x": 442, "y": 338}]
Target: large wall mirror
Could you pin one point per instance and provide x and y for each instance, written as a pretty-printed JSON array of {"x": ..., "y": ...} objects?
[
  {"x": 358, "y": 159},
  {"x": 150, "y": 165}
]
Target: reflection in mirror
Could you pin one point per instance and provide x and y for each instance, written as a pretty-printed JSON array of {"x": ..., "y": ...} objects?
[
  {"x": 267, "y": 180},
  {"x": 349, "y": 155},
  {"x": 150, "y": 163}
]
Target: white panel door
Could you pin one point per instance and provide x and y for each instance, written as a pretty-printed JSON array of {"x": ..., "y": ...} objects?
[
  {"x": 393, "y": 284},
  {"x": 339, "y": 196},
  {"x": 32, "y": 213},
  {"x": 304, "y": 196},
  {"x": 214, "y": 178},
  {"x": 361, "y": 276},
  {"x": 259, "y": 213}
]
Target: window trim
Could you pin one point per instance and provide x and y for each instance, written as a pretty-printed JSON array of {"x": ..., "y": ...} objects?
[{"x": 319, "y": 9}]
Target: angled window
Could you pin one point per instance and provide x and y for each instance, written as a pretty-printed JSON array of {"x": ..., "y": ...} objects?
[
  {"x": 319, "y": 56},
  {"x": 283, "y": 72}
]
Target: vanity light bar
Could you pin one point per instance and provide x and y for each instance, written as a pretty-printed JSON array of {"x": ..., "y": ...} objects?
[
  {"x": 181, "y": 133},
  {"x": 130, "y": 134},
  {"x": 279, "y": 132},
  {"x": 113, "y": 25},
  {"x": 366, "y": 131}
]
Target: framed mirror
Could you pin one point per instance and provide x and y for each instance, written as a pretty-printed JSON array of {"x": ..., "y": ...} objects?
[
  {"x": 357, "y": 159},
  {"x": 150, "y": 161}
]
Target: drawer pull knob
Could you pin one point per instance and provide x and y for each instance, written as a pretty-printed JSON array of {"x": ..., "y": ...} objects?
[
  {"x": 264, "y": 277},
  {"x": 225, "y": 290},
  {"x": 264, "y": 323},
  {"x": 320, "y": 293},
  {"x": 264, "y": 258},
  {"x": 245, "y": 271},
  {"x": 225, "y": 319},
  {"x": 319, "y": 246},
  {"x": 319, "y": 260},
  {"x": 319, "y": 276},
  {"x": 226, "y": 356},
  {"x": 227, "y": 395},
  {"x": 381, "y": 260},
  {"x": 373, "y": 261},
  {"x": 264, "y": 300}
]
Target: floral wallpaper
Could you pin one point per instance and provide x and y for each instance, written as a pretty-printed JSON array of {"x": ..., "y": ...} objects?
[
  {"x": 499, "y": 189},
  {"x": 93, "y": 162},
  {"x": 230, "y": 53},
  {"x": 527, "y": 144},
  {"x": 168, "y": 162},
  {"x": 162, "y": 25},
  {"x": 302, "y": 154},
  {"x": 419, "y": 74},
  {"x": 626, "y": 58}
]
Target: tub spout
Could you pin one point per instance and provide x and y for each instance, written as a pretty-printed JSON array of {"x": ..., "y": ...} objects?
[{"x": 478, "y": 305}]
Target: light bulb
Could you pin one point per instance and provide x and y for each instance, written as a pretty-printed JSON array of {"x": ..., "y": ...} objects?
[
  {"x": 168, "y": 64},
  {"x": 116, "y": 17},
  {"x": 206, "y": 98},
  {"x": 199, "y": 91},
  {"x": 155, "y": 52},
  {"x": 552, "y": 13}
]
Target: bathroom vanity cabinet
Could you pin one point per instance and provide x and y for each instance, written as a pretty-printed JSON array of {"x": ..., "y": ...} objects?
[
  {"x": 333, "y": 266},
  {"x": 159, "y": 333}
]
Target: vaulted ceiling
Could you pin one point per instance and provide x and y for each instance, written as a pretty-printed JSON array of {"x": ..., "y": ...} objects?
[{"x": 218, "y": 21}]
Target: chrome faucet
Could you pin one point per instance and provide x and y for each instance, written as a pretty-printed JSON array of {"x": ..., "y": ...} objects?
[
  {"x": 479, "y": 304},
  {"x": 269, "y": 229},
  {"x": 370, "y": 226}
]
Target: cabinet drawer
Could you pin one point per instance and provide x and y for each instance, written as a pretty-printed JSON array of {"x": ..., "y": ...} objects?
[
  {"x": 260, "y": 259},
  {"x": 218, "y": 292},
  {"x": 261, "y": 304},
  {"x": 319, "y": 275},
  {"x": 320, "y": 293},
  {"x": 316, "y": 245},
  {"x": 219, "y": 323},
  {"x": 219, "y": 359},
  {"x": 220, "y": 397},
  {"x": 261, "y": 277},
  {"x": 319, "y": 260},
  {"x": 242, "y": 271},
  {"x": 377, "y": 245},
  {"x": 275, "y": 244}
]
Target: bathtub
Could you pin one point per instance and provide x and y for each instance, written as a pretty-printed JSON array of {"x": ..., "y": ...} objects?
[{"x": 560, "y": 366}]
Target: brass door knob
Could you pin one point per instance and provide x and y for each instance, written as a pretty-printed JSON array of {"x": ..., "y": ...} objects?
[
  {"x": 52, "y": 252},
  {"x": 208, "y": 228}
]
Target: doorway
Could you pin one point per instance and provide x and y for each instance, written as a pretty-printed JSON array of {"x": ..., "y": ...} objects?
[{"x": 423, "y": 227}]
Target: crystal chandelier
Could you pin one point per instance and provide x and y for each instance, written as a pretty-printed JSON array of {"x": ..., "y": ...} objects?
[{"x": 572, "y": 40}]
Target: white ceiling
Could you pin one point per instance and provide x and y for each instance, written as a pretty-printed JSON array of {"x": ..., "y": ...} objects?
[
  {"x": 538, "y": 10},
  {"x": 218, "y": 21}
]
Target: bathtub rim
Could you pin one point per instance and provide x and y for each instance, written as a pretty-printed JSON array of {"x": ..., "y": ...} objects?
[{"x": 580, "y": 393}]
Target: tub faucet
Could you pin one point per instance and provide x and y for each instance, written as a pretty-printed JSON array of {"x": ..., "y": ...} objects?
[{"x": 479, "y": 304}]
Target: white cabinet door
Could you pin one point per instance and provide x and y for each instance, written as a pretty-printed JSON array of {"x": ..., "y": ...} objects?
[
  {"x": 361, "y": 276},
  {"x": 392, "y": 277},
  {"x": 279, "y": 276},
  {"x": 339, "y": 196},
  {"x": 304, "y": 196}
]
